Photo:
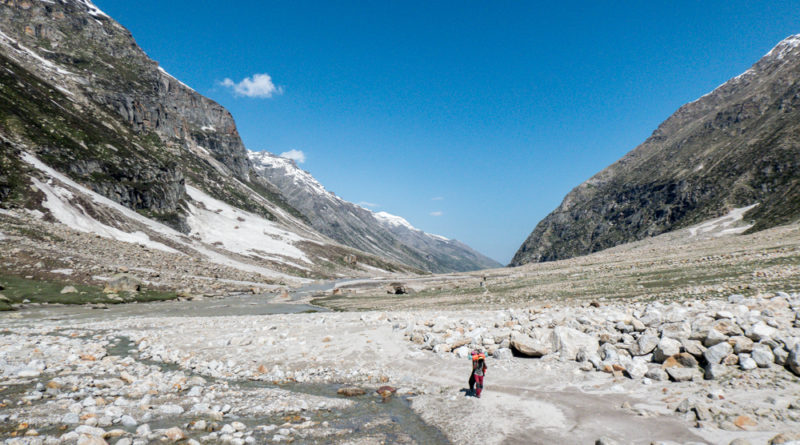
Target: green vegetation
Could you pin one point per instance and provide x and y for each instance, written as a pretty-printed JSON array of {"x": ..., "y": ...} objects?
[{"x": 17, "y": 289}]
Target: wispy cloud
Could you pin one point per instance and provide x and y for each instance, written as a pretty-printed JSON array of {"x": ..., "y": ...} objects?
[
  {"x": 295, "y": 155},
  {"x": 259, "y": 85},
  {"x": 437, "y": 198},
  {"x": 370, "y": 205},
  {"x": 437, "y": 213}
]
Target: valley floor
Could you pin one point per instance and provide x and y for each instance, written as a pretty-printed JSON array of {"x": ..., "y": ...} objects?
[{"x": 680, "y": 339}]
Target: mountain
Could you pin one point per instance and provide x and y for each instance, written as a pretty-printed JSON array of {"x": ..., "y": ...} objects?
[
  {"x": 736, "y": 146},
  {"x": 352, "y": 225},
  {"x": 96, "y": 136}
]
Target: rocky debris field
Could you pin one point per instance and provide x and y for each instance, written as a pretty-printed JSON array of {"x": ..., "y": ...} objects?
[{"x": 638, "y": 373}]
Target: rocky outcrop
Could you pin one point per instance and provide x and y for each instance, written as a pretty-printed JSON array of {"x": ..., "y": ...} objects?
[{"x": 732, "y": 148}]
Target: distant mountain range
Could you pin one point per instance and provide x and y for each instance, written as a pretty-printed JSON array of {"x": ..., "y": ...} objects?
[
  {"x": 95, "y": 135},
  {"x": 378, "y": 233},
  {"x": 736, "y": 146}
]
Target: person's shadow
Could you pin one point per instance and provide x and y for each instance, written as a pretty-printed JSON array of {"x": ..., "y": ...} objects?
[{"x": 467, "y": 392}]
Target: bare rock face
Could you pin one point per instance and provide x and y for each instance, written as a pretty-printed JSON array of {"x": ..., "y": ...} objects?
[{"x": 732, "y": 148}]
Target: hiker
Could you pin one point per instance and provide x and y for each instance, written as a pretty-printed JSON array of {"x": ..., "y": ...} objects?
[{"x": 478, "y": 372}]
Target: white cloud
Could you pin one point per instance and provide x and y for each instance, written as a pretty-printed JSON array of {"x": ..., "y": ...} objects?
[
  {"x": 437, "y": 213},
  {"x": 295, "y": 155},
  {"x": 260, "y": 85},
  {"x": 368, "y": 204},
  {"x": 437, "y": 198}
]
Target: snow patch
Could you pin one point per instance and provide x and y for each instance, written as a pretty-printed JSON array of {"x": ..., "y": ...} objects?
[
  {"x": 94, "y": 11},
  {"x": 159, "y": 228},
  {"x": 216, "y": 222},
  {"x": 62, "y": 271},
  {"x": 208, "y": 128},
  {"x": 18, "y": 48},
  {"x": 263, "y": 161},
  {"x": 724, "y": 225},
  {"x": 73, "y": 215}
]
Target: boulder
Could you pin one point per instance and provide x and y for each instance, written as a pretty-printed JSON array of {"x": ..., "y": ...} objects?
[
  {"x": 351, "y": 391},
  {"x": 647, "y": 343},
  {"x": 503, "y": 354},
  {"x": 69, "y": 290},
  {"x": 781, "y": 355},
  {"x": 746, "y": 362},
  {"x": 793, "y": 360},
  {"x": 666, "y": 347},
  {"x": 713, "y": 372},
  {"x": 714, "y": 337},
  {"x": 174, "y": 434},
  {"x": 693, "y": 347},
  {"x": 716, "y": 353},
  {"x": 760, "y": 331},
  {"x": 741, "y": 344},
  {"x": 567, "y": 342},
  {"x": 683, "y": 374},
  {"x": 637, "y": 369},
  {"x": 529, "y": 347},
  {"x": 762, "y": 355},
  {"x": 123, "y": 282}
]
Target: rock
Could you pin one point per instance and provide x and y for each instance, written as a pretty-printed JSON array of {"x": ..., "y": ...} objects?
[
  {"x": 741, "y": 344},
  {"x": 731, "y": 360},
  {"x": 715, "y": 371},
  {"x": 69, "y": 290},
  {"x": 170, "y": 410},
  {"x": 735, "y": 299},
  {"x": 793, "y": 360},
  {"x": 567, "y": 342},
  {"x": 386, "y": 391},
  {"x": 682, "y": 374},
  {"x": 746, "y": 362},
  {"x": 198, "y": 425},
  {"x": 740, "y": 441},
  {"x": 716, "y": 353},
  {"x": 683, "y": 360},
  {"x": 693, "y": 347},
  {"x": 128, "y": 421},
  {"x": 781, "y": 355},
  {"x": 70, "y": 419},
  {"x": 701, "y": 412},
  {"x": 657, "y": 374},
  {"x": 726, "y": 327},
  {"x": 761, "y": 331},
  {"x": 503, "y": 354},
  {"x": 351, "y": 391},
  {"x": 666, "y": 347},
  {"x": 714, "y": 337},
  {"x": 637, "y": 369},
  {"x": 529, "y": 347},
  {"x": 647, "y": 343},
  {"x": 123, "y": 282},
  {"x": 175, "y": 434},
  {"x": 143, "y": 430},
  {"x": 744, "y": 422},
  {"x": 91, "y": 440},
  {"x": 762, "y": 355},
  {"x": 605, "y": 441},
  {"x": 785, "y": 438}
]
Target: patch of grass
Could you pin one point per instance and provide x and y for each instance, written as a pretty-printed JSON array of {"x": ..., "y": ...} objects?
[{"x": 18, "y": 289}]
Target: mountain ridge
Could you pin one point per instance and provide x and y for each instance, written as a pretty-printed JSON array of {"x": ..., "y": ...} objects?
[{"x": 732, "y": 147}]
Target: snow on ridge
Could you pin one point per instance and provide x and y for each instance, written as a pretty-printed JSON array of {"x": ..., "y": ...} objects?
[
  {"x": 94, "y": 11},
  {"x": 395, "y": 221},
  {"x": 778, "y": 53},
  {"x": 164, "y": 72},
  {"x": 157, "y": 227},
  {"x": 21, "y": 49},
  {"x": 264, "y": 160}
]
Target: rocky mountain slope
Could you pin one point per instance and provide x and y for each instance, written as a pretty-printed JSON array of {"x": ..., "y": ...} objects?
[
  {"x": 378, "y": 233},
  {"x": 95, "y": 135},
  {"x": 734, "y": 147}
]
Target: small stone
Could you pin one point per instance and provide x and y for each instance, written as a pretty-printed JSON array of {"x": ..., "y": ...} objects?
[
  {"x": 175, "y": 434},
  {"x": 170, "y": 410},
  {"x": 128, "y": 421},
  {"x": 746, "y": 362},
  {"x": 744, "y": 422},
  {"x": 606, "y": 440},
  {"x": 351, "y": 391}
]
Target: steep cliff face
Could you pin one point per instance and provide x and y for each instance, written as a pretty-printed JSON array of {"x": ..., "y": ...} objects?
[
  {"x": 736, "y": 146},
  {"x": 379, "y": 233}
]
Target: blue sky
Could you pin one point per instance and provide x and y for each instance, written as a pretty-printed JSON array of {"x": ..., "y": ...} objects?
[{"x": 470, "y": 119}]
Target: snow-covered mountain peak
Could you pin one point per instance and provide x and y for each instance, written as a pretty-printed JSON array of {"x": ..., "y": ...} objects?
[
  {"x": 264, "y": 161},
  {"x": 393, "y": 220}
]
